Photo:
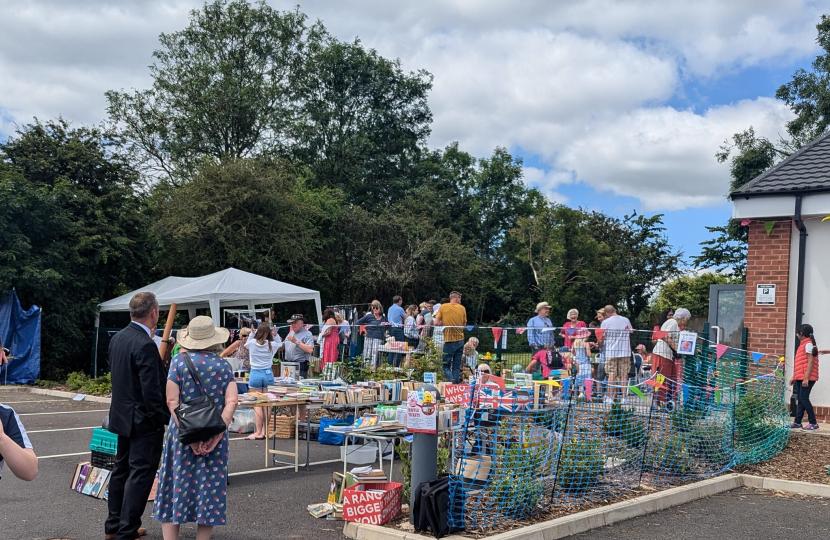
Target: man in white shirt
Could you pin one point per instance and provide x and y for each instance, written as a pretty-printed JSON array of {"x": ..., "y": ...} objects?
[{"x": 616, "y": 344}]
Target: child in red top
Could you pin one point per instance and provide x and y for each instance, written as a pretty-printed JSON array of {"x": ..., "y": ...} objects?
[{"x": 805, "y": 375}]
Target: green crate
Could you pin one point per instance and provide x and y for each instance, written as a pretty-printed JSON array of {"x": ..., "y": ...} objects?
[{"x": 103, "y": 441}]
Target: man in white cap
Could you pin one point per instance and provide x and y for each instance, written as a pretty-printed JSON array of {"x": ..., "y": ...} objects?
[{"x": 540, "y": 339}]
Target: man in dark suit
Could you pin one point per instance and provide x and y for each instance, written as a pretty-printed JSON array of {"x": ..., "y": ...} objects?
[{"x": 138, "y": 414}]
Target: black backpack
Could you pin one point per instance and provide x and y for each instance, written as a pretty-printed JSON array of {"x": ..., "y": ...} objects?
[
  {"x": 432, "y": 508},
  {"x": 553, "y": 360}
]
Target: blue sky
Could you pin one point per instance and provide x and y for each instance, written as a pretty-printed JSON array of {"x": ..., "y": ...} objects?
[{"x": 615, "y": 106}]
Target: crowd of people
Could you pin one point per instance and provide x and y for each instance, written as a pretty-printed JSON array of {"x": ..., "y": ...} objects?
[{"x": 145, "y": 394}]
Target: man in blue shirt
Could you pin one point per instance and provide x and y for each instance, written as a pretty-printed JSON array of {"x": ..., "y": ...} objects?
[
  {"x": 540, "y": 339},
  {"x": 397, "y": 316}
]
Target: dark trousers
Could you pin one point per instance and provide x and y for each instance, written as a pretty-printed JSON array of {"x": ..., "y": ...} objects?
[
  {"x": 452, "y": 360},
  {"x": 136, "y": 463},
  {"x": 395, "y": 358},
  {"x": 802, "y": 393}
]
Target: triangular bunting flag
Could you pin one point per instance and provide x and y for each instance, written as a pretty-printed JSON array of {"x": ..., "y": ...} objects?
[
  {"x": 768, "y": 225},
  {"x": 660, "y": 378},
  {"x": 470, "y": 327},
  {"x": 497, "y": 335},
  {"x": 721, "y": 349},
  {"x": 589, "y": 387},
  {"x": 745, "y": 222},
  {"x": 571, "y": 331},
  {"x": 717, "y": 396},
  {"x": 362, "y": 328},
  {"x": 654, "y": 384},
  {"x": 598, "y": 332},
  {"x": 307, "y": 327},
  {"x": 521, "y": 331},
  {"x": 756, "y": 356},
  {"x": 779, "y": 374},
  {"x": 825, "y": 219},
  {"x": 550, "y": 383},
  {"x": 659, "y": 334},
  {"x": 686, "y": 391},
  {"x": 638, "y": 392},
  {"x": 566, "y": 384}
]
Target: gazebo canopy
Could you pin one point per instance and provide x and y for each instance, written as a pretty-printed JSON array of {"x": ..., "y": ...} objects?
[{"x": 229, "y": 287}]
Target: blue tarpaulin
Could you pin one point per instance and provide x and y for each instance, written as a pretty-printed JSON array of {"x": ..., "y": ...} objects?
[{"x": 20, "y": 331}]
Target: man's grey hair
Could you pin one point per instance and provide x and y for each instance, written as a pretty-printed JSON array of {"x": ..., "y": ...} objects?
[
  {"x": 682, "y": 314},
  {"x": 141, "y": 304},
  {"x": 610, "y": 310}
]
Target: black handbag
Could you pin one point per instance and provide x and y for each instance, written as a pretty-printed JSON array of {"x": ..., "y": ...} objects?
[{"x": 199, "y": 418}]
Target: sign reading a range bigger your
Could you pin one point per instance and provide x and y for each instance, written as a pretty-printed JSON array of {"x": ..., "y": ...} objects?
[{"x": 422, "y": 412}]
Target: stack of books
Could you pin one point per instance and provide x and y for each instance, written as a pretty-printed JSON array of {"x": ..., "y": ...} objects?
[
  {"x": 366, "y": 475},
  {"x": 91, "y": 481}
]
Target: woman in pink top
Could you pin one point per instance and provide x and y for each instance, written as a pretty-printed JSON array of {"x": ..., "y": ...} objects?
[{"x": 573, "y": 322}]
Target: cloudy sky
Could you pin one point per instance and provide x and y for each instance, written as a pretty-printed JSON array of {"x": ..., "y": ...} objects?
[{"x": 614, "y": 106}]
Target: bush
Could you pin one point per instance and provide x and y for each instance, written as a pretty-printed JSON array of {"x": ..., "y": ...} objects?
[
  {"x": 685, "y": 419},
  {"x": 517, "y": 486},
  {"x": 670, "y": 454},
  {"x": 580, "y": 463},
  {"x": 620, "y": 422},
  {"x": 81, "y": 383}
]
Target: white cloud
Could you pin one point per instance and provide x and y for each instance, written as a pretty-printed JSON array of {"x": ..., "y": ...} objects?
[
  {"x": 665, "y": 157},
  {"x": 583, "y": 84}
]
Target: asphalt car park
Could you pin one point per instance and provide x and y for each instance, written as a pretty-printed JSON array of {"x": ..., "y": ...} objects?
[{"x": 262, "y": 503}]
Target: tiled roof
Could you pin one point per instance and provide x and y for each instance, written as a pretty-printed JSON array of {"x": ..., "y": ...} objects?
[{"x": 808, "y": 169}]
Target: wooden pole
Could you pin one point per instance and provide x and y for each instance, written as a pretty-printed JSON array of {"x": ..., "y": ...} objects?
[{"x": 168, "y": 327}]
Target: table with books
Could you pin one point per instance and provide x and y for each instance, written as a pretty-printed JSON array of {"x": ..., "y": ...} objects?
[
  {"x": 272, "y": 451},
  {"x": 319, "y": 395}
]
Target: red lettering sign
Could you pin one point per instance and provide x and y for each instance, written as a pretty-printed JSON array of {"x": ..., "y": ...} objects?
[
  {"x": 375, "y": 504},
  {"x": 458, "y": 393}
]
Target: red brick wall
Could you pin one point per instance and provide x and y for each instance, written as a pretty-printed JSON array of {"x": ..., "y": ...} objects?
[{"x": 768, "y": 262}]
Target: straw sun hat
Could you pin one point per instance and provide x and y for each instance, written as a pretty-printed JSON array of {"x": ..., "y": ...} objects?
[{"x": 201, "y": 334}]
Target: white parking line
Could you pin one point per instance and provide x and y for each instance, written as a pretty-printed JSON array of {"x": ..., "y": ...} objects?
[
  {"x": 64, "y": 455},
  {"x": 60, "y": 429},
  {"x": 34, "y": 401},
  {"x": 63, "y": 412}
]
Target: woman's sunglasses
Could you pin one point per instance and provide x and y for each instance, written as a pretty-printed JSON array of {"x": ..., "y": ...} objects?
[{"x": 487, "y": 371}]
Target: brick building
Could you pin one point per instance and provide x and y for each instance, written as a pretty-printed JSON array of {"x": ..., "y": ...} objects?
[{"x": 788, "y": 264}]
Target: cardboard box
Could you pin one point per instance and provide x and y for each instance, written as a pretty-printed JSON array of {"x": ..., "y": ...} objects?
[
  {"x": 372, "y": 503},
  {"x": 475, "y": 467}
]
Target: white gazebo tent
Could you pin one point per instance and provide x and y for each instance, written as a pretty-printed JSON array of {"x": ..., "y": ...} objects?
[{"x": 229, "y": 287}]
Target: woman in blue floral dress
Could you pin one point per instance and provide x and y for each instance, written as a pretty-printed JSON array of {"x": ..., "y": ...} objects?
[{"x": 193, "y": 478}]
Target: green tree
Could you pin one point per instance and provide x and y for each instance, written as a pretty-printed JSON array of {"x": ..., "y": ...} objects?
[
  {"x": 751, "y": 156},
  {"x": 587, "y": 259},
  {"x": 221, "y": 89},
  {"x": 72, "y": 232},
  {"x": 360, "y": 121},
  {"x": 808, "y": 94},
  {"x": 689, "y": 291},
  {"x": 255, "y": 215}
]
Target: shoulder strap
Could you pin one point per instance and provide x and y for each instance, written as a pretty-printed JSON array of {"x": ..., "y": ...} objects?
[{"x": 193, "y": 373}]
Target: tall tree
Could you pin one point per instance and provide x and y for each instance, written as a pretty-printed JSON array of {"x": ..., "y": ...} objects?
[
  {"x": 360, "y": 121},
  {"x": 256, "y": 215},
  {"x": 751, "y": 156},
  {"x": 72, "y": 231},
  {"x": 808, "y": 94},
  {"x": 587, "y": 259},
  {"x": 221, "y": 89},
  {"x": 690, "y": 291}
]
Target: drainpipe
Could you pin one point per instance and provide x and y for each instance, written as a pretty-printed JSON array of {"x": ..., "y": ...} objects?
[{"x": 802, "y": 246}]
